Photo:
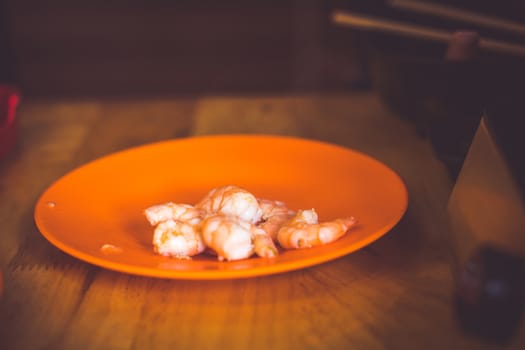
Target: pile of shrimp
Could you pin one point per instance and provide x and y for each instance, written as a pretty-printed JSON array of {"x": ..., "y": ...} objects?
[{"x": 233, "y": 224}]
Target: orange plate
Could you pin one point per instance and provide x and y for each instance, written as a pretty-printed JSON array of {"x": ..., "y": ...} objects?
[{"x": 102, "y": 202}]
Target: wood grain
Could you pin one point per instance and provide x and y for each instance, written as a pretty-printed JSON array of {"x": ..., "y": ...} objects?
[{"x": 394, "y": 294}]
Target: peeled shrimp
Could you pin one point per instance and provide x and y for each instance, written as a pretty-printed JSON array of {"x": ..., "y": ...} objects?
[
  {"x": 304, "y": 230},
  {"x": 263, "y": 244},
  {"x": 274, "y": 215},
  {"x": 229, "y": 236},
  {"x": 177, "y": 231},
  {"x": 177, "y": 239},
  {"x": 171, "y": 211},
  {"x": 234, "y": 224},
  {"x": 233, "y": 238},
  {"x": 232, "y": 200}
]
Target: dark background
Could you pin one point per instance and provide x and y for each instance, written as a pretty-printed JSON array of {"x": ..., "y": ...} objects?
[
  {"x": 71, "y": 48},
  {"x": 140, "y": 48},
  {"x": 60, "y": 47}
]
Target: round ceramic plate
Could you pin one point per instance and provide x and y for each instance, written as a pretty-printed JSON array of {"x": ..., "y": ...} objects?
[{"x": 96, "y": 212}]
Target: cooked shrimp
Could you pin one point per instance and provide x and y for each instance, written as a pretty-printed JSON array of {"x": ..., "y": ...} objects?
[
  {"x": 304, "y": 230},
  {"x": 171, "y": 211},
  {"x": 263, "y": 244},
  {"x": 177, "y": 239},
  {"x": 232, "y": 200},
  {"x": 233, "y": 238},
  {"x": 274, "y": 215},
  {"x": 229, "y": 236}
]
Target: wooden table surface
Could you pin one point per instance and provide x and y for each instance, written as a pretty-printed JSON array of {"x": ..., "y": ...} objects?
[{"x": 394, "y": 294}]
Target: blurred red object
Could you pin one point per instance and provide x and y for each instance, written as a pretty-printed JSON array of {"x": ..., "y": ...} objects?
[{"x": 9, "y": 98}]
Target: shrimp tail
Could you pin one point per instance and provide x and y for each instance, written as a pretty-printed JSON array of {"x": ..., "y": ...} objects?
[
  {"x": 264, "y": 245},
  {"x": 304, "y": 231}
]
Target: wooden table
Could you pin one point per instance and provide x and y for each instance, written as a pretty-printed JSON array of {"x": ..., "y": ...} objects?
[{"x": 394, "y": 294}]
